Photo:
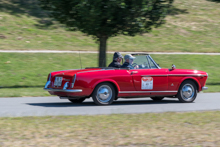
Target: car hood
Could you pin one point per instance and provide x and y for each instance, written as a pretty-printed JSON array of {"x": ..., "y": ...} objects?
[{"x": 187, "y": 71}]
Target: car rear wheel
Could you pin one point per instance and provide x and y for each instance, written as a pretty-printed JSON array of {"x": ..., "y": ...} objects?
[
  {"x": 77, "y": 100},
  {"x": 187, "y": 92},
  {"x": 104, "y": 94},
  {"x": 157, "y": 98}
]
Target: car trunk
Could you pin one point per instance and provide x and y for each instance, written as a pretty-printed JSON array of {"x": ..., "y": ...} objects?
[{"x": 59, "y": 78}]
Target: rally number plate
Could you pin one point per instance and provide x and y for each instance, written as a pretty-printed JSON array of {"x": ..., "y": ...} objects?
[{"x": 58, "y": 81}]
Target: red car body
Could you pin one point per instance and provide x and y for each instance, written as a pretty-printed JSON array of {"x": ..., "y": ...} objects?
[{"x": 127, "y": 83}]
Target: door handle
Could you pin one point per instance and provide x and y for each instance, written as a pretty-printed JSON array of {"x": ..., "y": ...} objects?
[{"x": 134, "y": 72}]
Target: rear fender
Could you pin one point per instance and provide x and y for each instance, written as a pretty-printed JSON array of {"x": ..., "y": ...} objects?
[
  {"x": 106, "y": 80},
  {"x": 193, "y": 79}
]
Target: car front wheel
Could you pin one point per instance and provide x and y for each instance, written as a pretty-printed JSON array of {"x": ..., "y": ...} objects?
[
  {"x": 104, "y": 94},
  {"x": 187, "y": 92}
]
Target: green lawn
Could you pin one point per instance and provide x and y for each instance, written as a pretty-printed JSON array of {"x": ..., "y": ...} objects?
[
  {"x": 24, "y": 74},
  {"x": 192, "y": 26},
  {"x": 195, "y": 129}
]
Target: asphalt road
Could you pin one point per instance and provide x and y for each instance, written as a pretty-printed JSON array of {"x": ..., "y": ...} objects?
[{"x": 44, "y": 106}]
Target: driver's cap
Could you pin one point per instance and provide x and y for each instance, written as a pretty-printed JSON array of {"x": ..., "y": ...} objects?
[
  {"x": 129, "y": 56},
  {"x": 117, "y": 55}
]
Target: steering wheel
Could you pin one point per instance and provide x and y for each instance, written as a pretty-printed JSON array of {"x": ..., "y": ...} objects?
[{"x": 134, "y": 64}]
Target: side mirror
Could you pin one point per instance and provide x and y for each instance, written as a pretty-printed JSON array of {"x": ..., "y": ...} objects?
[{"x": 173, "y": 67}]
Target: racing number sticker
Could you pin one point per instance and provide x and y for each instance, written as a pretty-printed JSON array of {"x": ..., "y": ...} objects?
[{"x": 146, "y": 83}]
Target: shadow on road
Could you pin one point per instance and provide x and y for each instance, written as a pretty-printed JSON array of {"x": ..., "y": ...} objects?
[{"x": 116, "y": 103}]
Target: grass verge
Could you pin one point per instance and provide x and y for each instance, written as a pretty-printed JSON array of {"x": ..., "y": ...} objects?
[
  {"x": 24, "y": 74},
  {"x": 193, "y": 129},
  {"x": 192, "y": 26}
]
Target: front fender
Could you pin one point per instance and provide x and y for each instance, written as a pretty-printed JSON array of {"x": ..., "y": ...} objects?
[{"x": 191, "y": 78}]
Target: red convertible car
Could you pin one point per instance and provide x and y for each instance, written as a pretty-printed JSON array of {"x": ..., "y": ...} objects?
[{"x": 105, "y": 85}]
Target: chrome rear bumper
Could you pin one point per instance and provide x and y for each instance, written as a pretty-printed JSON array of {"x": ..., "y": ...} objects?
[
  {"x": 63, "y": 90},
  {"x": 204, "y": 88}
]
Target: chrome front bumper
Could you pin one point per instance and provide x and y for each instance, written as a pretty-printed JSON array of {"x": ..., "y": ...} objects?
[
  {"x": 204, "y": 88},
  {"x": 63, "y": 90}
]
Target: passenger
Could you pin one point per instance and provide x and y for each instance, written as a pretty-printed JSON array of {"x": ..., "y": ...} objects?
[
  {"x": 129, "y": 61},
  {"x": 117, "y": 57}
]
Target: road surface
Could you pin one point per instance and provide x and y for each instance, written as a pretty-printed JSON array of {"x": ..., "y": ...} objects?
[{"x": 52, "y": 106}]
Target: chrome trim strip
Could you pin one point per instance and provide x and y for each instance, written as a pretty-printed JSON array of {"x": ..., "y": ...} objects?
[
  {"x": 197, "y": 75},
  {"x": 63, "y": 90},
  {"x": 154, "y": 75},
  {"x": 204, "y": 88},
  {"x": 145, "y": 91}
]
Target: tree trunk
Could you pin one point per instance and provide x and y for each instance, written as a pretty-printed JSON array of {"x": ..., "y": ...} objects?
[{"x": 102, "y": 51}]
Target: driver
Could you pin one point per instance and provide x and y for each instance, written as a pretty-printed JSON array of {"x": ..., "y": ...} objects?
[
  {"x": 116, "y": 60},
  {"x": 129, "y": 61}
]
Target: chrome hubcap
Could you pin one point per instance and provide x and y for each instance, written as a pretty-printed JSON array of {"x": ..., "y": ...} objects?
[
  {"x": 188, "y": 92},
  {"x": 104, "y": 93}
]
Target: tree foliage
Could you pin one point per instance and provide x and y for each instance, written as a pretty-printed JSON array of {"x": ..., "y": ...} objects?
[{"x": 108, "y": 18}]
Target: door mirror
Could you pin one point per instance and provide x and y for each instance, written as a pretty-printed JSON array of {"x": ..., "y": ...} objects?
[{"x": 173, "y": 67}]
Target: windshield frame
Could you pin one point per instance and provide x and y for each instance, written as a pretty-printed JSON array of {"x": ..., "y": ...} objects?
[
  {"x": 153, "y": 62},
  {"x": 149, "y": 58}
]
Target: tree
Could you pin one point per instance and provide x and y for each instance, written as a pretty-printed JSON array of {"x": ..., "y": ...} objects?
[{"x": 108, "y": 18}]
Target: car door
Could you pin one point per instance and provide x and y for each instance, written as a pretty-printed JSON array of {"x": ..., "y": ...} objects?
[{"x": 152, "y": 79}]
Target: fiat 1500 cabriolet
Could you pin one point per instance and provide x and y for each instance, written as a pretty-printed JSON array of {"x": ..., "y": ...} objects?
[{"x": 105, "y": 85}]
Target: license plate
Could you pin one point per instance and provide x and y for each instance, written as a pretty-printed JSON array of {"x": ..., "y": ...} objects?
[{"x": 58, "y": 81}]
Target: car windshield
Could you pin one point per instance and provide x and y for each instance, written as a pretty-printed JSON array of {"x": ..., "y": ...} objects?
[{"x": 144, "y": 62}]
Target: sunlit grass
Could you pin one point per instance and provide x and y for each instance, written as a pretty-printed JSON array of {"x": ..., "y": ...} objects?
[{"x": 150, "y": 129}]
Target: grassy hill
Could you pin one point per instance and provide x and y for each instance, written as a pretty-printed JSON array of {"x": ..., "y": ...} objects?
[{"x": 192, "y": 26}]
